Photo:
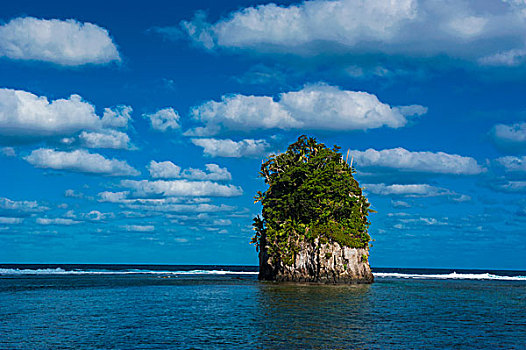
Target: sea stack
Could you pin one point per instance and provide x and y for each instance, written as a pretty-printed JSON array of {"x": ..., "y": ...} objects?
[
  {"x": 314, "y": 224},
  {"x": 318, "y": 262}
]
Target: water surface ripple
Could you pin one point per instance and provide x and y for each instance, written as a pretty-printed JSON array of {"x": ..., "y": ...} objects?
[{"x": 224, "y": 311}]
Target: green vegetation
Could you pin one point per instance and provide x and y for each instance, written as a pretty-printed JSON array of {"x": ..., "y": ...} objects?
[{"x": 312, "y": 194}]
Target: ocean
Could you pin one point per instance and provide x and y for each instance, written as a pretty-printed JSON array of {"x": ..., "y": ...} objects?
[{"x": 226, "y": 307}]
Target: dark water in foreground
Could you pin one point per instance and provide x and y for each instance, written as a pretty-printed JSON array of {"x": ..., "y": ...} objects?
[{"x": 101, "y": 308}]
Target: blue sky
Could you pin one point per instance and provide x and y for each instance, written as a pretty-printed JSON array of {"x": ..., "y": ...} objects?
[{"x": 134, "y": 134}]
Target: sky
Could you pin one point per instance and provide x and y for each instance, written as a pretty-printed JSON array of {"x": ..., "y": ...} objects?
[{"x": 135, "y": 133}]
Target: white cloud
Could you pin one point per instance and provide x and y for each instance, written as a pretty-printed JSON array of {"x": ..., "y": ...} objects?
[
  {"x": 80, "y": 161},
  {"x": 27, "y": 117},
  {"x": 139, "y": 228},
  {"x": 147, "y": 206},
  {"x": 113, "y": 197},
  {"x": 93, "y": 215},
  {"x": 151, "y": 206},
  {"x": 25, "y": 114},
  {"x": 413, "y": 190},
  {"x": 117, "y": 117},
  {"x": 213, "y": 172},
  {"x": 10, "y": 220},
  {"x": 512, "y": 186},
  {"x": 125, "y": 198},
  {"x": 400, "y": 204},
  {"x": 181, "y": 208},
  {"x": 6, "y": 203},
  {"x": 488, "y": 32},
  {"x": 145, "y": 188},
  {"x": 398, "y": 214},
  {"x": 13, "y": 208},
  {"x": 96, "y": 215},
  {"x": 164, "y": 170},
  {"x": 57, "y": 221},
  {"x": 427, "y": 162},
  {"x": 168, "y": 170},
  {"x": 505, "y": 58},
  {"x": 107, "y": 139},
  {"x": 222, "y": 222},
  {"x": 510, "y": 136},
  {"x": 461, "y": 198},
  {"x": 73, "y": 194},
  {"x": 512, "y": 164},
  {"x": 8, "y": 151},
  {"x": 164, "y": 119},
  {"x": 425, "y": 221},
  {"x": 328, "y": 107},
  {"x": 233, "y": 149},
  {"x": 240, "y": 112},
  {"x": 68, "y": 43},
  {"x": 317, "y": 106}
]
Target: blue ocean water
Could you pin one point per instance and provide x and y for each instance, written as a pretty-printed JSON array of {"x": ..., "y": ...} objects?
[{"x": 225, "y": 307}]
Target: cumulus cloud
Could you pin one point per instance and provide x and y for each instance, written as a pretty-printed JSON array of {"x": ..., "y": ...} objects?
[
  {"x": 509, "y": 137},
  {"x": 139, "y": 228},
  {"x": 222, "y": 222},
  {"x": 113, "y": 197},
  {"x": 168, "y": 170},
  {"x": 6, "y": 203},
  {"x": 145, "y": 188},
  {"x": 490, "y": 32},
  {"x": 117, "y": 117},
  {"x": 426, "y": 162},
  {"x": 151, "y": 206},
  {"x": 461, "y": 198},
  {"x": 328, "y": 107},
  {"x": 233, "y": 149},
  {"x": 504, "y": 58},
  {"x": 26, "y": 116},
  {"x": 93, "y": 215},
  {"x": 57, "y": 221},
  {"x": 316, "y": 106},
  {"x": 511, "y": 186},
  {"x": 70, "y": 193},
  {"x": 80, "y": 161},
  {"x": 414, "y": 190},
  {"x": 10, "y": 220},
  {"x": 126, "y": 199},
  {"x": 68, "y": 43},
  {"x": 14, "y": 208},
  {"x": 8, "y": 151},
  {"x": 164, "y": 170},
  {"x": 241, "y": 112},
  {"x": 400, "y": 204},
  {"x": 418, "y": 222},
  {"x": 512, "y": 164},
  {"x": 107, "y": 139},
  {"x": 180, "y": 208},
  {"x": 164, "y": 119}
]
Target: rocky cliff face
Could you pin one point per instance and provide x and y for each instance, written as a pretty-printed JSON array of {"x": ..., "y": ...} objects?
[{"x": 319, "y": 263}]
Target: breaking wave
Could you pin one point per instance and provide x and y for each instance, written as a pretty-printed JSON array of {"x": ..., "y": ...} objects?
[
  {"x": 378, "y": 275},
  {"x": 59, "y": 271},
  {"x": 450, "y": 276}
]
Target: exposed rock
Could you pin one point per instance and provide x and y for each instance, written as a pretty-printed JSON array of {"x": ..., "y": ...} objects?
[{"x": 318, "y": 263}]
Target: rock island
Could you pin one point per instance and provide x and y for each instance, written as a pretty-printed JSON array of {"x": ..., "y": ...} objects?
[{"x": 314, "y": 221}]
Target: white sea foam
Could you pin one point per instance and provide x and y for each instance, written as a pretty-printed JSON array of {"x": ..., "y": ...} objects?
[
  {"x": 59, "y": 271},
  {"x": 450, "y": 276}
]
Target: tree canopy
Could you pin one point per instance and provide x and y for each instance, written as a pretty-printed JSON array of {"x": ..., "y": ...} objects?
[{"x": 311, "y": 194}]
